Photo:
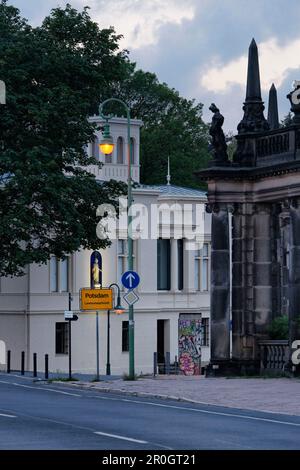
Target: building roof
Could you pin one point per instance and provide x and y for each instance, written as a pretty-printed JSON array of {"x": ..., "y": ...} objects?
[{"x": 172, "y": 190}]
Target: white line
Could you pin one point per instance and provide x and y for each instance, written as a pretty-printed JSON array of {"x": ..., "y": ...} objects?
[
  {"x": 218, "y": 413},
  {"x": 59, "y": 391},
  {"x": 47, "y": 389},
  {"x": 123, "y": 438},
  {"x": 7, "y": 416}
]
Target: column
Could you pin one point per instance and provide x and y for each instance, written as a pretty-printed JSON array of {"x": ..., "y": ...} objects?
[
  {"x": 262, "y": 270},
  {"x": 174, "y": 265},
  {"x": 294, "y": 270},
  {"x": 237, "y": 282},
  {"x": 220, "y": 285}
]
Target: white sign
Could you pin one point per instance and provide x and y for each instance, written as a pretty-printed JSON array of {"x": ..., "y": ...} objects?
[
  {"x": 131, "y": 297},
  {"x": 68, "y": 315},
  {"x": 296, "y": 354}
]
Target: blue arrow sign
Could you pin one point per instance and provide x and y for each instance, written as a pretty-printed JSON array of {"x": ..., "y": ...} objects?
[{"x": 130, "y": 279}]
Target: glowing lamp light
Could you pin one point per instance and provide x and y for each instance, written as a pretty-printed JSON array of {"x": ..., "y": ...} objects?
[
  {"x": 107, "y": 144},
  {"x": 119, "y": 310}
]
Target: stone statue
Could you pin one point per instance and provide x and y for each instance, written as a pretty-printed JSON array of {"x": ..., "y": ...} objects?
[
  {"x": 96, "y": 273},
  {"x": 219, "y": 146}
]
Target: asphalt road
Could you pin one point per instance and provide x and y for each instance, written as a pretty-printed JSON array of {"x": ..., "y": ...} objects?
[{"x": 49, "y": 416}]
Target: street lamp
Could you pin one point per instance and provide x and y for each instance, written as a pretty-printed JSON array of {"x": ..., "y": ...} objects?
[
  {"x": 118, "y": 309},
  {"x": 106, "y": 146}
]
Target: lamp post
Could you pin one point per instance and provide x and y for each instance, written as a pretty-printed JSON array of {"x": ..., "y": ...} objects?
[
  {"x": 118, "y": 309},
  {"x": 106, "y": 146}
]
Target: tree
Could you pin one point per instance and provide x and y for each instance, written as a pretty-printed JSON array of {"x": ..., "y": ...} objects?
[
  {"x": 55, "y": 76},
  {"x": 173, "y": 127},
  {"x": 287, "y": 120}
]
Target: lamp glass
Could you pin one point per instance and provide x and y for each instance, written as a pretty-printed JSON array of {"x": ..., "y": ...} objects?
[
  {"x": 119, "y": 310},
  {"x": 106, "y": 147}
]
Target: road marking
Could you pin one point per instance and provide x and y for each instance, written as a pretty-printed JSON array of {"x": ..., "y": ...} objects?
[
  {"x": 7, "y": 416},
  {"x": 218, "y": 413},
  {"x": 59, "y": 391},
  {"x": 47, "y": 389},
  {"x": 123, "y": 438}
]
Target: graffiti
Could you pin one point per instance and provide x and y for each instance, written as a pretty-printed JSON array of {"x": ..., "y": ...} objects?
[{"x": 189, "y": 347}]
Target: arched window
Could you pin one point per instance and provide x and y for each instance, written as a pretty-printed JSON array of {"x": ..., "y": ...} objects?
[
  {"x": 120, "y": 150},
  {"x": 95, "y": 148},
  {"x": 132, "y": 155},
  {"x": 108, "y": 158}
]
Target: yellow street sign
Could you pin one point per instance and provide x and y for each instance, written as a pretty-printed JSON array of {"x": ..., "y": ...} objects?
[{"x": 96, "y": 299}]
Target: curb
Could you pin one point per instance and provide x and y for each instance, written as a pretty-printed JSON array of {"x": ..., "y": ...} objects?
[{"x": 167, "y": 397}]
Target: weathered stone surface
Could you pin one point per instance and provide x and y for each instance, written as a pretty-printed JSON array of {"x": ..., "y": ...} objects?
[
  {"x": 262, "y": 274},
  {"x": 262, "y": 250},
  {"x": 220, "y": 268},
  {"x": 220, "y": 287}
]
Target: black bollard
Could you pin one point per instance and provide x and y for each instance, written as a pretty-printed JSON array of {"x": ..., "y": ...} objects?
[
  {"x": 8, "y": 361},
  {"x": 23, "y": 363},
  {"x": 167, "y": 363},
  {"x": 155, "y": 364},
  {"x": 46, "y": 366},
  {"x": 34, "y": 364}
]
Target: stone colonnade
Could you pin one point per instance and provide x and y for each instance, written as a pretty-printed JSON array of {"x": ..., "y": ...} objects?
[{"x": 265, "y": 273}]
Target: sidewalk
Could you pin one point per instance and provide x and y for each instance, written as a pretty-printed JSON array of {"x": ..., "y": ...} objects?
[{"x": 278, "y": 395}]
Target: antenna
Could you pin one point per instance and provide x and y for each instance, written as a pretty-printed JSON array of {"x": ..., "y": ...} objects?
[{"x": 168, "y": 175}]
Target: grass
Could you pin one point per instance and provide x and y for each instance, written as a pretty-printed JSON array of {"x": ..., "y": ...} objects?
[
  {"x": 128, "y": 378},
  {"x": 59, "y": 379}
]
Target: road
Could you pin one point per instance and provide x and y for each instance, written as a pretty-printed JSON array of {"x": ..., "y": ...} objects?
[{"x": 51, "y": 416}]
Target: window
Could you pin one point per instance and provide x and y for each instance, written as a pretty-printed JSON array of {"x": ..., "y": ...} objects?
[
  {"x": 202, "y": 268},
  {"x": 59, "y": 274},
  {"x": 95, "y": 148},
  {"x": 180, "y": 264},
  {"x": 163, "y": 264},
  {"x": 64, "y": 275},
  {"x": 132, "y": 150},
  {"x": 108, "y": 158},
  {"x": 125, "y": 336},
  {"x": 205, "y": 332},
  {"x": 61, "y": 338},
  {"x": 53, "y": 274},
  {"x": 120, "y": 150},
  {"x": 122, "y": 258}
]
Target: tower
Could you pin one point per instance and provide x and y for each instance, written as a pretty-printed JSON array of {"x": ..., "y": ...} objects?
[{"x": 255, "y": 206}]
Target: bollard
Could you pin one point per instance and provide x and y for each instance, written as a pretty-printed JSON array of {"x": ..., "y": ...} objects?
[
  {"x": 23, "y": 363},
  {"x": 176, "y": 365},
  {"x": 46, "y": 366},
  {"x": 8, "y": 361},
  {"x": 154, "y": 364},
  {"x": 34, "y": 364},
  {"x": 167, "y": 364}
]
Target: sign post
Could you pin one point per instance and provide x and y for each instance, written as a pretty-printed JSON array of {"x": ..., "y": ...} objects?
[
  {"x": 130, "y": 280},
  {"x": 96, "y": 300},
  {"x": 97, "y": 347}
]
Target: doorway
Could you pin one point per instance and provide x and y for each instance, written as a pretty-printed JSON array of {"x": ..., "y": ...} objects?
[{"x": 161, "y": 341}]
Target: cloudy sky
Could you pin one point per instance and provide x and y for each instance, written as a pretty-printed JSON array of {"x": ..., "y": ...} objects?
[{"x": 200, "y": 46}]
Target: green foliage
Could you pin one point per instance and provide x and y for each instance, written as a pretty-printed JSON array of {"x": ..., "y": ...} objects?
[
  {"x": 231, "y": 145},
  {"x": 173, "y": 127},
  {"x": 56, "y": 75},
  {"x": 287, "y": 120},
  {"x": 279, "y": 328},
  {"x": 53, "y": 75}
]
